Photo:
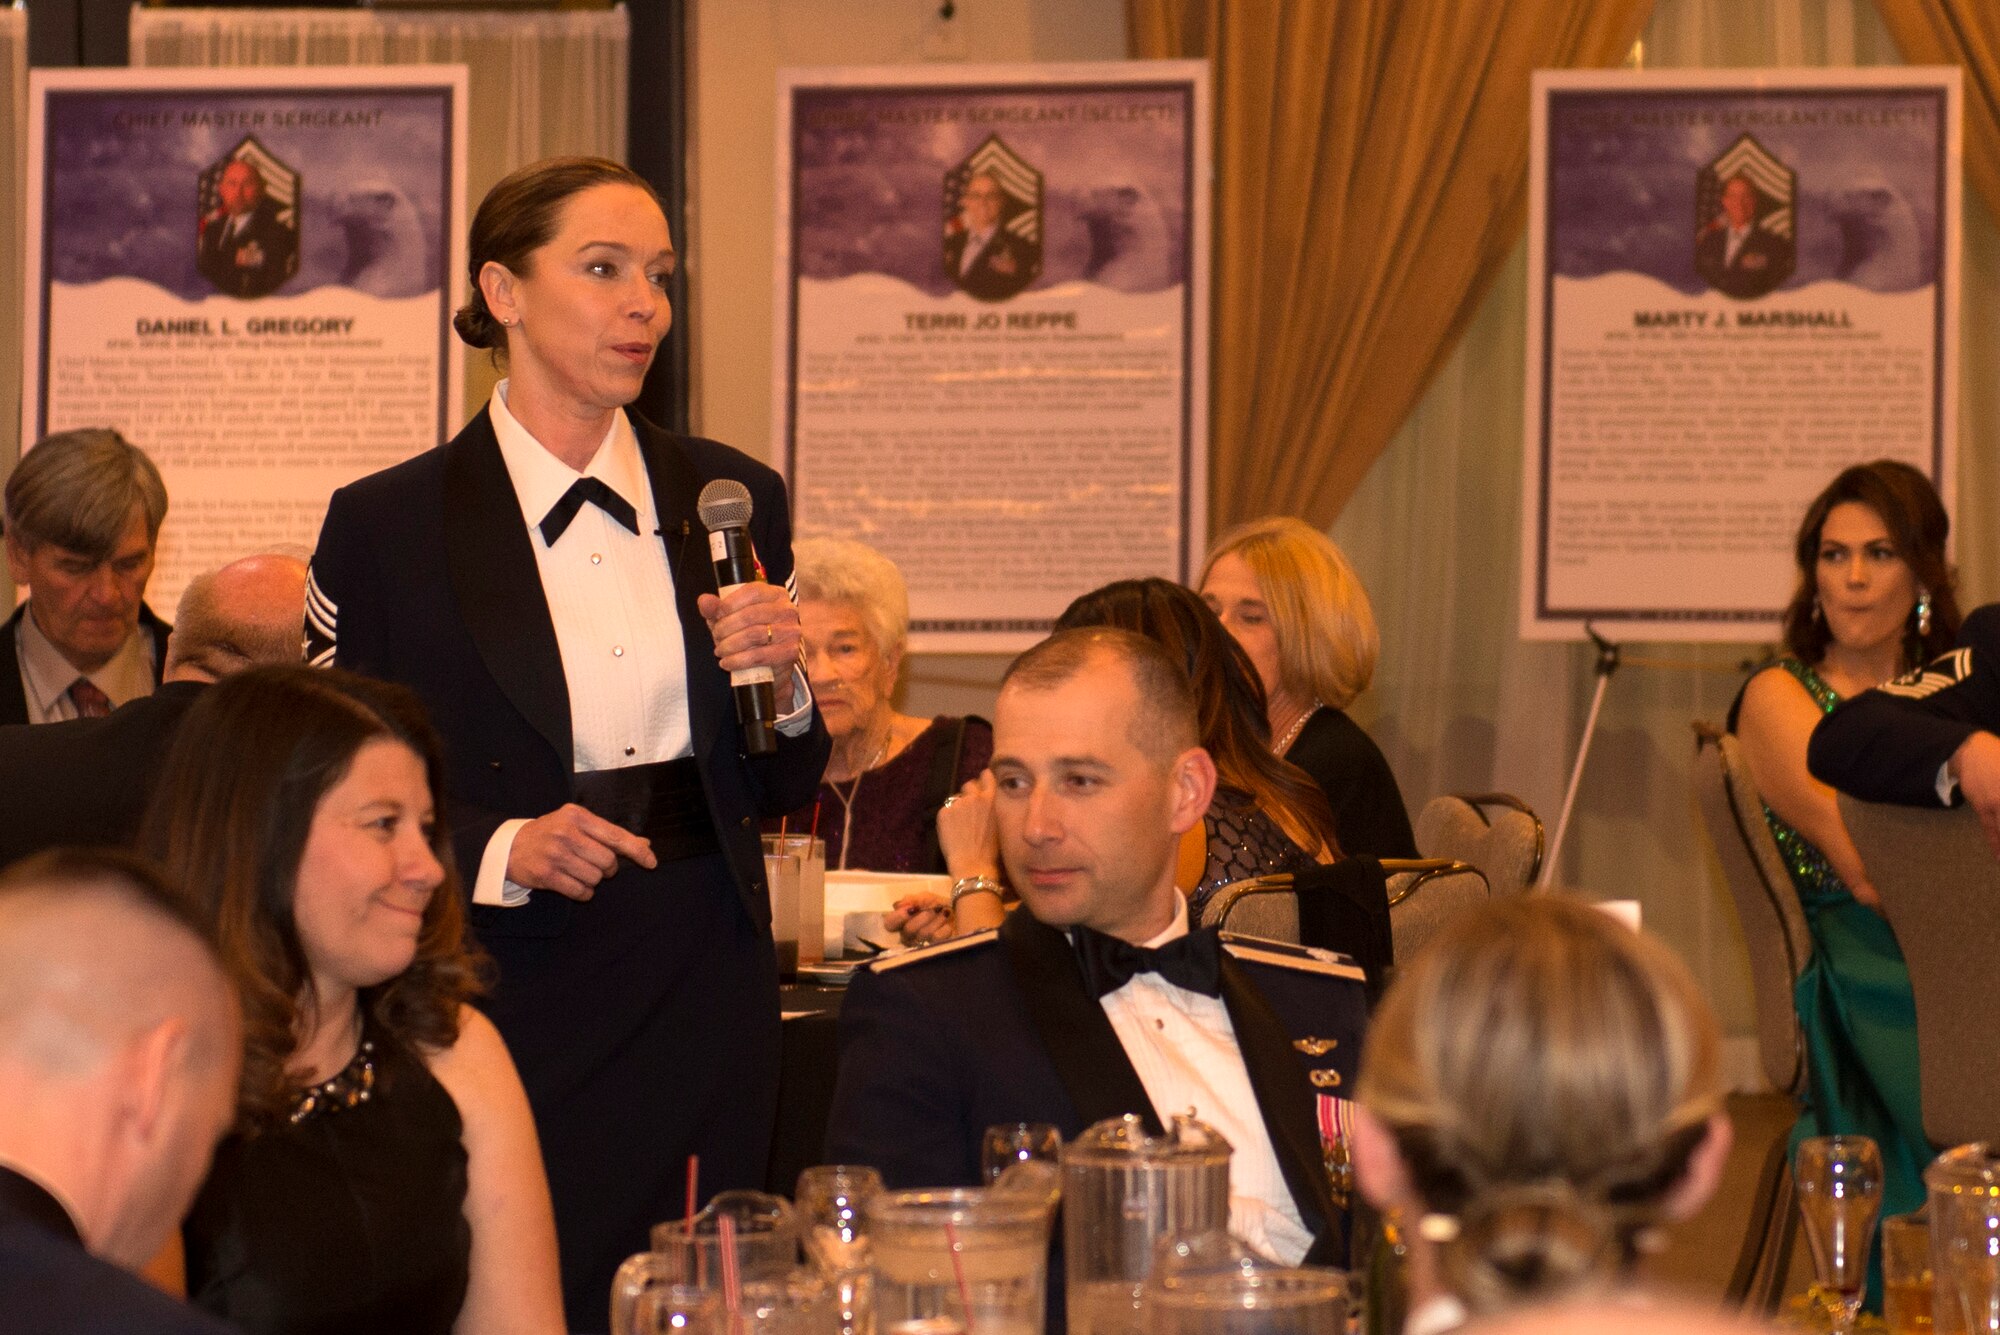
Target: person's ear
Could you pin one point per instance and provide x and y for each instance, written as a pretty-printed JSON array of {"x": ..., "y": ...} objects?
[
  {"x": 1379, "y": 1170},
  {"x": 1192, "y": 790},
  {"x": 496, "y": 284},
  {"x": 152, "y": 1064},
  {"x": 17, "y": 558},
  {"x": 1704, "y": 1171}
]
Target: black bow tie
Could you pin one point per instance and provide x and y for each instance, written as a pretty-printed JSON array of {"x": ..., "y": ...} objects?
[
  {"x": 587, "y": 489},
  {"x": 1193, "y": 961}
]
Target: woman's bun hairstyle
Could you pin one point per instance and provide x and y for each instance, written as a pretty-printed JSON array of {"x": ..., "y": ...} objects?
[{"x": 517, "y": 218}]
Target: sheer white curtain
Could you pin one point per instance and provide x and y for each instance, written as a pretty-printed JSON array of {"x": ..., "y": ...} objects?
[
  {"x": 1461, "y": 703},
  {"x": 538, "y": 83}
]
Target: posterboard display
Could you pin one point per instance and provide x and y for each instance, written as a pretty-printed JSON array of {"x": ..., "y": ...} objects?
[
  {"x": 1740, "y": 282},
  {"x": 992, "y": 304},
  {"x": 249, "y": 273}
]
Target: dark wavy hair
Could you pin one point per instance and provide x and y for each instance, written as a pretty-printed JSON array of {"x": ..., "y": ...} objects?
[
  {"x": 1230, "y": 699},
  {"x": 229, "y": 818},
  {"x": 1909, "y": 508},
  {"x": 517, "y": 218}
]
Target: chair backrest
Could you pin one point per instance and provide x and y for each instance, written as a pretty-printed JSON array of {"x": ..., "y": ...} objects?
[
  {"x": 1424, "y": 894},
  {"x": 1940, "y": 886},
  {"x": 1263, "y": 906},
  {"x": 1767, "y": 904},
  {"x": 1495, "y": 832}
]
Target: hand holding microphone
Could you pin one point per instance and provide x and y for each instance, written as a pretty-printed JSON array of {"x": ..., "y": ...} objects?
[{"x": 755, "y": 626}]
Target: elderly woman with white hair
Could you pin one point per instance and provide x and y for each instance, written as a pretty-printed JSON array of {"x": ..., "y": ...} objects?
[{"x": 890, "y": 773}]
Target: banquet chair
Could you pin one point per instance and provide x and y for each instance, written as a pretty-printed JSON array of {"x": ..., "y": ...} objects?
[
  {"x": 1265, "y": 906},
  {"x": 1774, "y": 930},
  {"x": 1939, "y": 884},
  {"x": 1425, "y": 894},
  {"x": 1495, "y": 832},
  {"x": 1342, "y": 906}
]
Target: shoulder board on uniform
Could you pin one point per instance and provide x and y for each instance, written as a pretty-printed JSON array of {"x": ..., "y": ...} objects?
[
  {"x": 884, "y": 963},
  {"x": 1285, "y": 955},
  {"x": 1942, "y": 671}
]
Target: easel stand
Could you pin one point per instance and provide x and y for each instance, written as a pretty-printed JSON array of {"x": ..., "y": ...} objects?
[{"x": 1607, "y": 663}]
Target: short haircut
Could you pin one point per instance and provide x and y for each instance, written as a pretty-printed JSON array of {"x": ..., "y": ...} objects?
[
  {"x": 65, "y": 1028},
  {"x": 76, "y": 489},
  {"x": 1164, "y": 725},
  {"x": 1320, "y": 614},
  {"x": 841, "y": 570},
  {"x": 208, "y": 638}
]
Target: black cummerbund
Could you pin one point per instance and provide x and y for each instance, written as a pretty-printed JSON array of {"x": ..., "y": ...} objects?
[{"x": 664, "y": 802}]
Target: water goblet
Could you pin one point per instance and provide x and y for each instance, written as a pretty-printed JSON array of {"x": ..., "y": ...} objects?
[
  {"x": 829, "y": 1200},
  {"x": 1840, "y": 1194},
  {"x": 1017, "y": 1142}
]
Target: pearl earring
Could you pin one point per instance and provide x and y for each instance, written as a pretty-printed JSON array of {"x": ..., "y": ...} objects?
[{"x": 1923, "y": 612}]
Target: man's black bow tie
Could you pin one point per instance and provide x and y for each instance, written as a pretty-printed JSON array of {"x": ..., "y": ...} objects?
[
  {"x": 1193, "y": 961},
  {"x": 587, "y": 489}
]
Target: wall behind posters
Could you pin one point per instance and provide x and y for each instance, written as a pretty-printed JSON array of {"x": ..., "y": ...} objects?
[{"x": 737, "y": 47}]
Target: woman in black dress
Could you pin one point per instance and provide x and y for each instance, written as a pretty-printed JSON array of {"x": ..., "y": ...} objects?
[
  {"x": 1291, "y": 600},
  {"x": 383, "y": 1174}
]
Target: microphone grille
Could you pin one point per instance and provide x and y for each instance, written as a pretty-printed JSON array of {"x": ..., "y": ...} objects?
[{"x": 724, "y": 503}]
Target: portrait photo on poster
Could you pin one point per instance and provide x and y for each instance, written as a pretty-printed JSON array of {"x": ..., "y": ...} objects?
[
  {"x": 249, "y": 207},
  {"x": 993, "y": 222},
  {"x": 1743, "y": 241}
]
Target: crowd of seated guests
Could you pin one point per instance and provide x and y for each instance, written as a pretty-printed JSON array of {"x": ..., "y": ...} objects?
[{"x": 1539, "y": 1090}]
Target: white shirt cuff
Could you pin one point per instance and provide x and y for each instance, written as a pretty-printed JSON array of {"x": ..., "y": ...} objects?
[
  {"x": 799, "y": 721},
  {"x": 1946, "y": 785},
  {"x": 491, "y": 886}
]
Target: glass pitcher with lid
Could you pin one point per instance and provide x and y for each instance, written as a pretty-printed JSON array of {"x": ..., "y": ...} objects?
[{"x": 1123, "y": 1192}]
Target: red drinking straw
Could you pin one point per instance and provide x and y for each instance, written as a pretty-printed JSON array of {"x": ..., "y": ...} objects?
[
  {"x": 732, "y": 1287},
  {"x": 958, "y": 1274},
  {"x": 815, "y": 828},
  {"x": 694, "y": 1177}
]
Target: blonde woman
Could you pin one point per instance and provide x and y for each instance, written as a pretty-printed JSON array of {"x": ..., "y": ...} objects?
[
  {"x": 1291, "y": 600},
  {"x": 1540, "y": 1092}
]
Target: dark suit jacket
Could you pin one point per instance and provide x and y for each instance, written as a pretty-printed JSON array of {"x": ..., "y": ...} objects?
[
  {"x": 278, "y": 243},
  {"x": 49, "y": 1285},
  {"x": 1762, "y": 262},
  {"x": 1887, "y": 745},
  {"x": 86, "y": 780},
  {"x": 1004, "y": 265},
  {"x": 14, "y": 698},
  {"x": 426, "y": 575},
  {"x": 941, "y": 1044}
]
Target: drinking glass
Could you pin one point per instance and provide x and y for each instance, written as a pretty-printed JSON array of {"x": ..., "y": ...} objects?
[
  {"x": 1840, "y": 1193},
  {"x": 829, "y": 1201},
  {"x": 646, "y": 1300},
  {"x": 782, "y": 872},
  {"x": 1906, "y": 1274},
  {"x": 1017, "y": 1142}
]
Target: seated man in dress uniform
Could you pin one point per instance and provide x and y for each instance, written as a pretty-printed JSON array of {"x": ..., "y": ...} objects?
[
  {"x": 119, "y": 1049},
  {"x": 83, "y": 511},
  {"x": 1095, "y": 999},
  {"x": 1928, "y": 739}
]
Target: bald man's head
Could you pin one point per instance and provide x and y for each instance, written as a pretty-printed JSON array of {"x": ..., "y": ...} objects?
[
  {"x": 120, "y": 1044},
  {"x": 247, "y": 613}
]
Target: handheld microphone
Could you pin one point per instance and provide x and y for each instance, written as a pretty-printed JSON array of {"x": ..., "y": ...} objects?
[{"x": 724, "y": 507}]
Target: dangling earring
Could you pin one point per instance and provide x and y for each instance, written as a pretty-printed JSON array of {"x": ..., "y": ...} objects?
[
  {"x": 1923, "y": 612},
  {"x": 1818, "y": 615}
]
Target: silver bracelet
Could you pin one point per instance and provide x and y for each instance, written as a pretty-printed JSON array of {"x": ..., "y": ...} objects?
[{"x": 973, "y": 885}]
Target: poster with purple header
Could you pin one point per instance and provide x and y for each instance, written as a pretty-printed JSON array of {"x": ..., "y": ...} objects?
[
  {"x": 1740, "y": 283},
  {"x": 250, "y": 273},
  {"x": 992, "y": 295}
]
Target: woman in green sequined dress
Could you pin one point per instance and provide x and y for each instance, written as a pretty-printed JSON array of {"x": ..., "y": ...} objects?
[{"x": 1874, "y": 600}]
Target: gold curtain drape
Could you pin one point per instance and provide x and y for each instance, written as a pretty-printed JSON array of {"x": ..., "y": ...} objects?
[
  {"x": 1959, "y": 32},
  {"x": 1371, "y": 176}
]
